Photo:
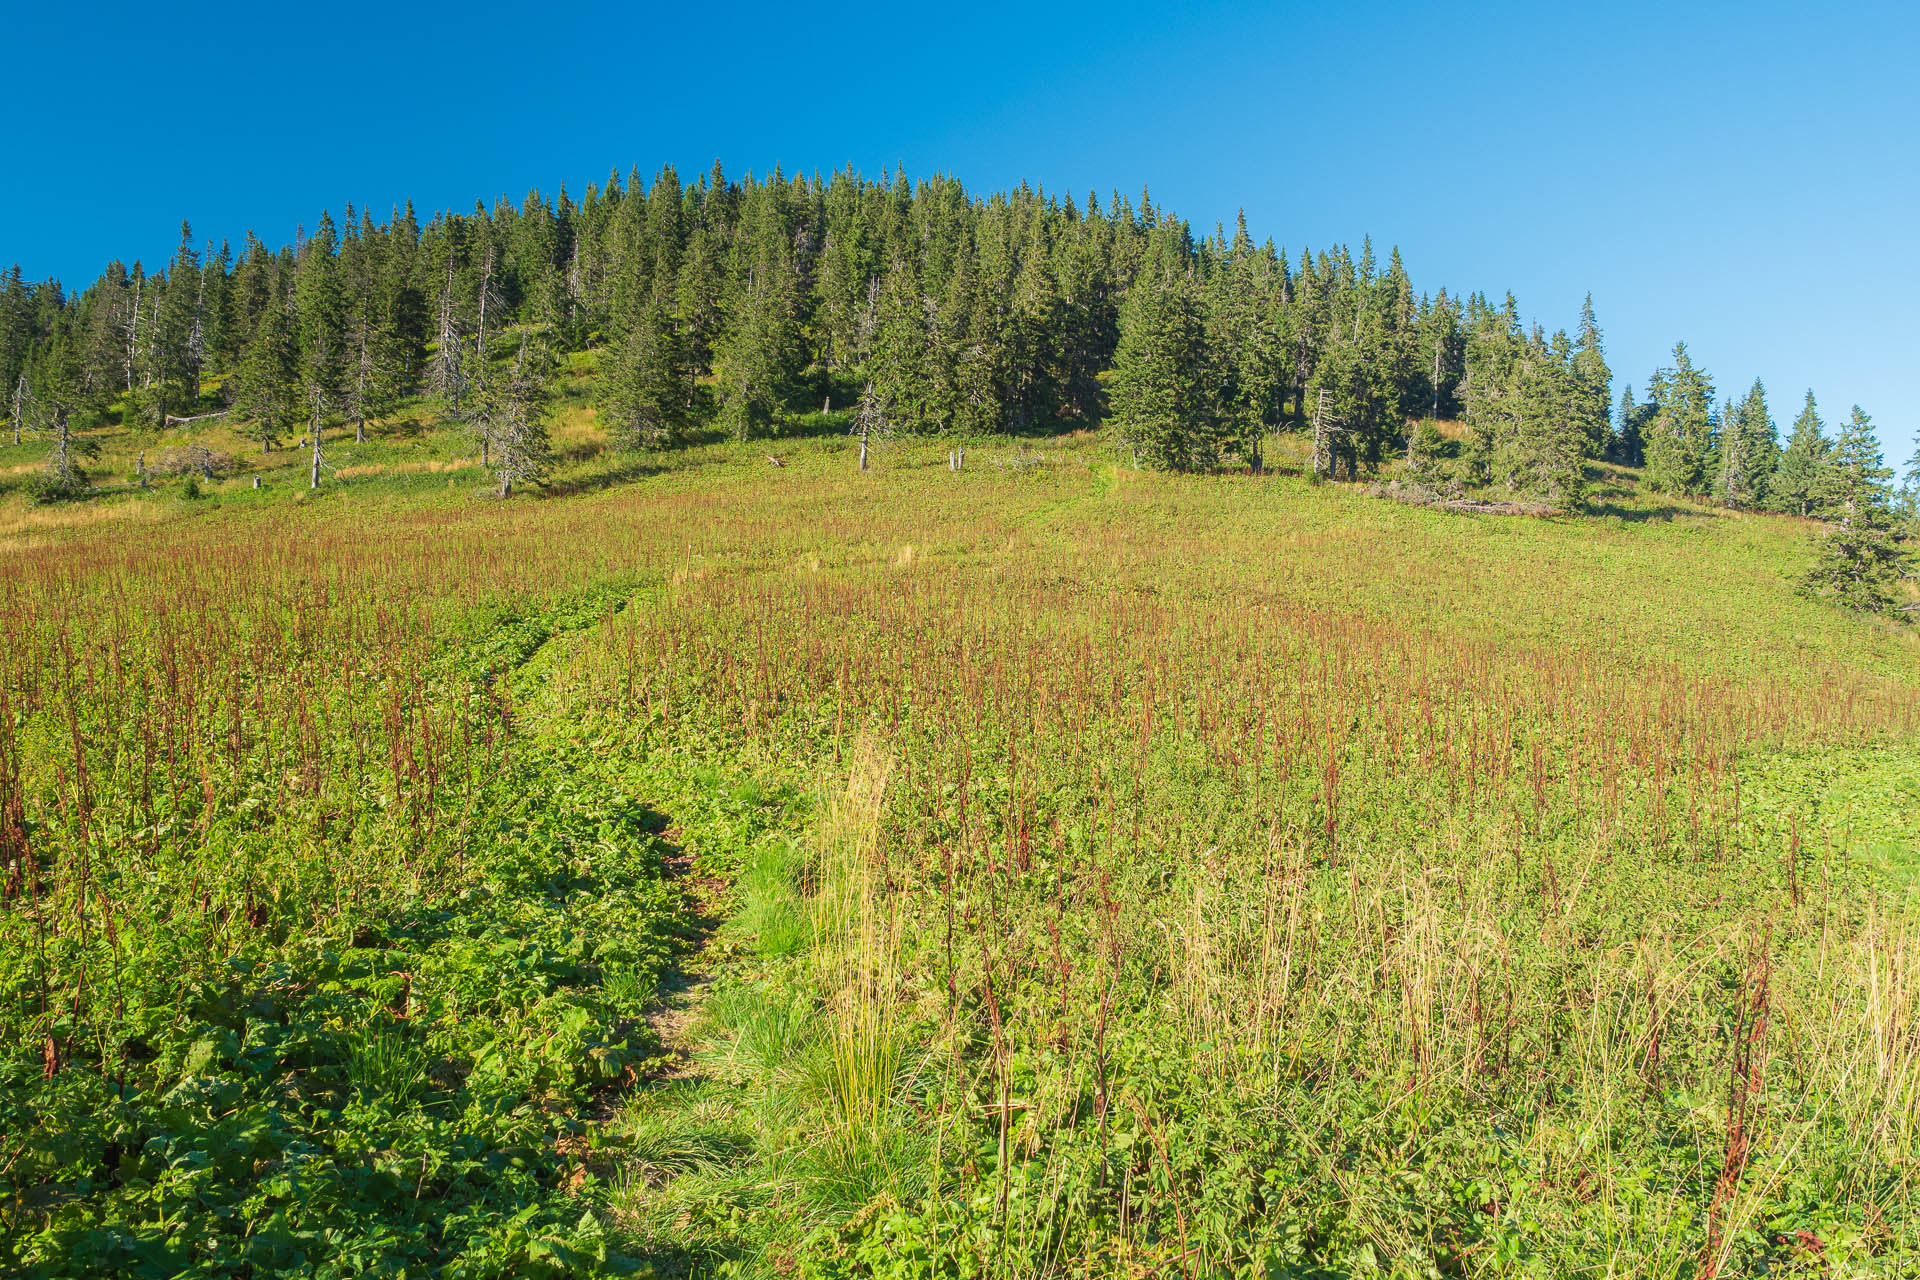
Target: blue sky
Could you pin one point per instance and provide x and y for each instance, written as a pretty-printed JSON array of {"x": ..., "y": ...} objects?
[{"x": 1744, "y": 177}]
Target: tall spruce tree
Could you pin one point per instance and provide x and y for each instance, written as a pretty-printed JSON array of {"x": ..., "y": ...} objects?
[
  {"x": 1858, "y": 557},
  {"x": 1592, "y": 383},
  {"x": 321, "y": 318},
  {"x": 900, "y": 364},
  {"x": 760, "y": 353},
  {"x": 1165, "y": 405},
  {"x": 645, "y": 385},
  {"x": 1749, "y": 451},
  {"x": 522, "y": 447},
  {"x": 1794, "y": 487},
  {"x": 267, "y": 387},
  {"x": 1542, "y": 448},
  {"x": 1679, "y": 439},
  {"x": 62, "y": 405}
]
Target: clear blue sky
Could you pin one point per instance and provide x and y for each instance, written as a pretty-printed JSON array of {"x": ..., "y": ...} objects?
[{"x": 1745, "y": 177}]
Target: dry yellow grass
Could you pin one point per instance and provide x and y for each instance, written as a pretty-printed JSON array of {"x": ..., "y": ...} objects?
[{"x": 27, "y": 528}]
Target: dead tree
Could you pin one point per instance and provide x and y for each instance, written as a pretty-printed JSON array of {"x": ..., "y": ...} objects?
[
  {"x": 871, "y": 420},
  {"x": 171, "y": 420},
  {"x": 313, "y": 474},
  {"x": 1326, "y": 430}
]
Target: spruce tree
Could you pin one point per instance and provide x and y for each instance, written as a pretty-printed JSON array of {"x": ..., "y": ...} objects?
[
  {"x": 321, "y": 319},
  {"x": 1749, "y": 451},
  {"x": 760, "y": 353},
  {"x": 1443, "y": 355},
  {"x": 171, "y": 346},
  {"x": 1795, "y": 485},
  {"x": 645, "y": 385},
  {"x": 1490, "y": 392},
  {"x": 1542, "y": 450},
  {"x": 1858, "y": 557},
  {"x": 1680, "y": 437},
  {"x": 899, "y": 366},
  {"x": 1247, "y": 348},
  {"x": 522, "y": 449},
  {"x": 1592, "y": 385},
  {"x": 1164, "y": 404},
  {"x": 60, "y": 403},
  {"x": 267, "y": 384}
]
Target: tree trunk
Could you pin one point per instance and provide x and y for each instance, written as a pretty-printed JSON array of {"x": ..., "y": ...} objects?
[
  {"x": 863, "y": 451},
  {"x": 506, "y": 485},
  {"x": 1436, "y": 379},
  {"x": 133, "y": 336},
  {"x": 313, "y": 476}
]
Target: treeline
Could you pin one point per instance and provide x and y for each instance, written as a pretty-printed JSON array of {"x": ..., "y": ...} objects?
[
  {"x": 1731, "y": 452},
  {"x": 744, "y": 303},
  {"x": 914, "y": 308},
  {"x": 1728, "y": 450}
]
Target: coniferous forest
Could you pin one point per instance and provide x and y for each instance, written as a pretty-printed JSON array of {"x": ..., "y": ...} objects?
[
  {"x": 833, "y": 728},
  {"x": 927, "y": 310}
]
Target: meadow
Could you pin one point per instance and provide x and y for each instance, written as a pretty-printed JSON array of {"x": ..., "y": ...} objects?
[{"x": 1041, "y": 869}]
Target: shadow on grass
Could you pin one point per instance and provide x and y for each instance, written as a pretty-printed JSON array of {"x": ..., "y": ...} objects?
[
  {"x": 615, "y": 469},
  {"x": 1665, "y": 512}
]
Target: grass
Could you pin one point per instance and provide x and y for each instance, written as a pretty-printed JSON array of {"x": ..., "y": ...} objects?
[{"x": 1124, "y": 874}]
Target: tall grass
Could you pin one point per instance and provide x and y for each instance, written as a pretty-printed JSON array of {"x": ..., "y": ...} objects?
[
  {"x": 1267, "y": 877},
  {"x": 856, "y": 949}
]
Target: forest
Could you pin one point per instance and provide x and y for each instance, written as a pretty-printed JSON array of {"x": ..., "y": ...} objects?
[
  {"x": 923, "y": 310},
  {"x": 845, "y": 729}
]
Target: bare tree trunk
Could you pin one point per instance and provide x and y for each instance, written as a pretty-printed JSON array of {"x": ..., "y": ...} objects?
[
  {"x": 486, "y": 287},
  {"x": 313, "y": 475},
  {"x": 1320, "y": 465},
  {"x": 133, "y": 335},
  {"x": 19, "y": 405},
  {"x": 449, "y": 354},
  {"x": 360, "y": 397},
  {"x": 1436, "y": 378},
  {"x": 863, "y": 451}
]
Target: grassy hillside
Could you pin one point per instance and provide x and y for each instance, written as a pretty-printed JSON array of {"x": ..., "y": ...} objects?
[{"x": 1042, "y": 869}]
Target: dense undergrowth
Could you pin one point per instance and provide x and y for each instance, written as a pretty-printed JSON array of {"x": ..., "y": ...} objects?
[
  {"x": 253, "y": 1059},
  {"x": 1128, "y": 875}
]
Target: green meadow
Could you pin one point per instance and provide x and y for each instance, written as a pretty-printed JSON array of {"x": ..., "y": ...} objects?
[{"x": 1046, "y": 868}]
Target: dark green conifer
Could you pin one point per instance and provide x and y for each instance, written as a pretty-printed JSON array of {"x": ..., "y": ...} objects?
[
  {"x": 1795, "y": 485},
  {"x": 1858, "y": 558},
  {"x": 645, "y": 385},
  {"x": 1679, "y": 438},
  {"x": 1749, "y": 451},
  {"x": 1163, "y": 391}
]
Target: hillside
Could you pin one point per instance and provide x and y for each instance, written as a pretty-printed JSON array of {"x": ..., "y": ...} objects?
[{"x": 1042, "y": 868}]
